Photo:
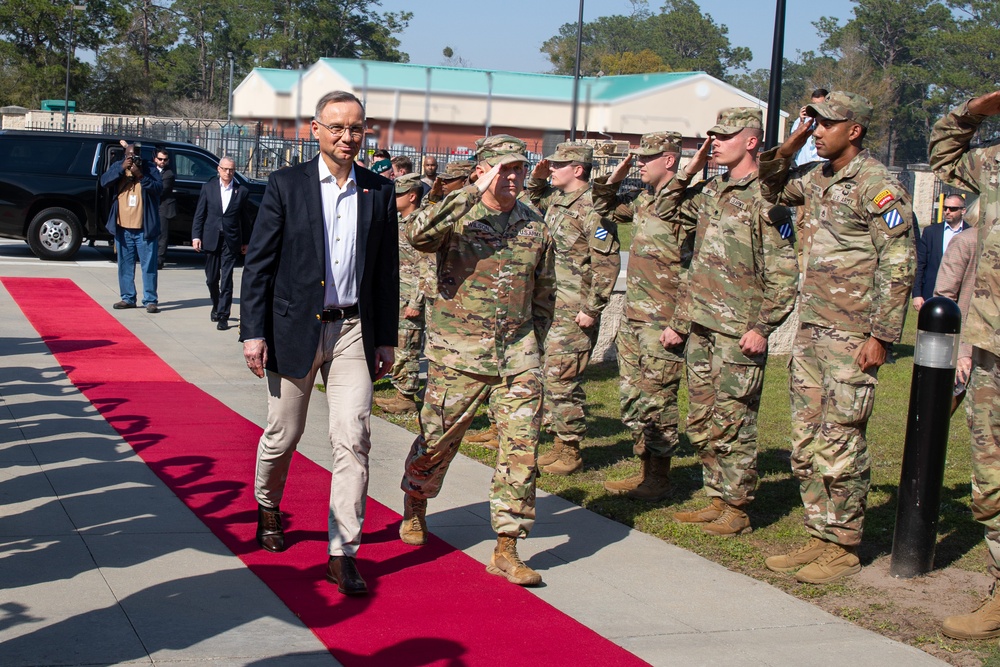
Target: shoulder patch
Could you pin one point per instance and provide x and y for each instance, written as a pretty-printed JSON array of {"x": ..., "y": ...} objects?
[
  {"x": 884, "y": 198},
  {"x": 785, "y": 230},
  {"x": 600, "y": 233},
  {"x": 892, "y": 218}
]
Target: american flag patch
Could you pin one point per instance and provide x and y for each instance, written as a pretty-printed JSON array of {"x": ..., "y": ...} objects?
[
  {"x": 785, "y": 230},
  {"x": 892, "y": 218},
  {"x": 600, "y": 233}
]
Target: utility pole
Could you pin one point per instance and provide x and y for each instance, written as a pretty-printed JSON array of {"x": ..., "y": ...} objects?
[
  {"x": 771, "y": 138},
  {"x": 576, "y": 74}
]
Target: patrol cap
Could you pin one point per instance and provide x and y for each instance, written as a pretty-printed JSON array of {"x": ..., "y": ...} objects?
[
  {"x": 655, "y": 143},
  {"x": 572, "y": 152},
  {"x": 500, "y": 148},
  {"x": 407, "y": 182},
  {"x": 457, "y": 169},
  {"x": 735, "y": 119},
  {"x": 841, "y": 105}
]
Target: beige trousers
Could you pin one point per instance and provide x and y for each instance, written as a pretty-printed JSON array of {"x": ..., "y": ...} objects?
[{"x": 340, "y": 359}]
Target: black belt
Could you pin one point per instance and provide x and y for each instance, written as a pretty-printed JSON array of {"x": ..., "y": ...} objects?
[{"x": 337, "y": 314}]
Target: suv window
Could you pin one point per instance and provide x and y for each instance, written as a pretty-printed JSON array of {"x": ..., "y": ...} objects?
[
  {"x": 193, "y": 167},
  {"x": 49, "y": 156}
]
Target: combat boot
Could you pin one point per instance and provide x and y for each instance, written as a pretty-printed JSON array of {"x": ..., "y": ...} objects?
[
  {"x": 983, "y": 623},
  {"x": 792, "y": 561},
  {"x": 835, "y": 563},
  {"x": 488, "y": 438},
  {"x": 733, "y": 521},
  {"x": 655, "y": 486},
  {"x": 569, "y": 460},
  {"x": 622, "y": 486},
  {"x": 711, "y": 512},
  {"x": 397, "y": 405},
  {"x": 506, "y": 563},
  {"x": 552, "y": 455},
  {"x": 413, "y": 528}
]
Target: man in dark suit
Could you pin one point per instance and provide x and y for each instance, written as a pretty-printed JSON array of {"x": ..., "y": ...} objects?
[
  {"x": 931, "y": 245},
  {"x": 221, "y": 228},
  {"x": 321, "y": 293},
  {"x": 168, "y": 203}
]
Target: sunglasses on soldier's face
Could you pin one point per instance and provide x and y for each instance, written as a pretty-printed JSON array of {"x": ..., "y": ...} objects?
[{"x": 954, "y": 208}]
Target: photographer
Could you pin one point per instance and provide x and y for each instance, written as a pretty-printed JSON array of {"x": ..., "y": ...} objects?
[{"x": 134, "y": 221}]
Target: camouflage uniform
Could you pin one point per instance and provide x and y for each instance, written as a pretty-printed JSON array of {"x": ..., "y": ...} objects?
[
  {"x": 587, "y": 266},
  {"x": 859, "y": 258},
  {"x": 743, "y": 277},
  {"x": 414, "y": 269},
  {"x": 496, "y": 295},
  {"x": 453, "y": 171},
  {"x": 660, "y": 252},
  {"x": 978, "y": 170}
]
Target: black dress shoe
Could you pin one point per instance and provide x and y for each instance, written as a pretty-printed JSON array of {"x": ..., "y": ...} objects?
[
  {"x": 214, "y": 317},
  {"x": 343, "y": 571},
  {"x": 270, "y": 535},
  {"x": 222, "y": 325}
]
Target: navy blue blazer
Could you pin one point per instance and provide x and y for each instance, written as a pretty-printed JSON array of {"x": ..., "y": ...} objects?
[
  {"x": 930, "y": 249},
  {"x": 283, "y": 292},
  {"x": 209, "y": 218}
]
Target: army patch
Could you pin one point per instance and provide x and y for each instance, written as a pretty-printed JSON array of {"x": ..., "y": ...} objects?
[
  {"x": 480, "y": 225},
  {"x": 892, "y": 218},
  {"x": 527, "y": 231},
  {"x": 734, "y": 201},
  {"x": 785, "y": 230},
  {"x": 883, "y": 198},
  {"x": 600, "y": 233}
]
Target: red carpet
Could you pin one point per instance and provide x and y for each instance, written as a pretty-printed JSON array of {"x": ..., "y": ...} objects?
[{"x": 430, "y": 605}]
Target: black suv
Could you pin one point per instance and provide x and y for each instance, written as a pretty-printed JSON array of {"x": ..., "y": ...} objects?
[{"x": 50, "y": 194}]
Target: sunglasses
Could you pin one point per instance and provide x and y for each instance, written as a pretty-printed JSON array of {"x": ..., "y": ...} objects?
[{"x": 954, "y": 208}]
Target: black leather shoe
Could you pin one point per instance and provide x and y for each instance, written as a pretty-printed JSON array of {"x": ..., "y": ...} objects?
[
  {"x": 214, "y": 317},
  {"x": 343, "y": 571},
  {"x": 270, "y": 535},
  {"x": 222, "y": 325}
]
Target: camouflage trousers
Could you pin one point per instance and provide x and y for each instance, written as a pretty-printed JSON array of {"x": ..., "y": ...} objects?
[
  {"x": 724, "y": 388},
  {"x": 649, "y": 379},
  {"x": 564, "y": 414},
  {"x": 832, "y": 400},
  {"x": 450, "y": 403},
  {"x": 406, "y": 369},
  {"x": 983, "y": 410}
]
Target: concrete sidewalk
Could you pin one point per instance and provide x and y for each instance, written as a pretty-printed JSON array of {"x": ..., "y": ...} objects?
[{"x": 101, "y": 564}]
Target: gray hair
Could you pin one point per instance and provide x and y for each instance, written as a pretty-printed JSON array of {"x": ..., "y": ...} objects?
[{"x": 336, "y": 97}]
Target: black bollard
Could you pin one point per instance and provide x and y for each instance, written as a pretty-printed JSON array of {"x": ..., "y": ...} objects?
[{"x": 934, "y": 358}]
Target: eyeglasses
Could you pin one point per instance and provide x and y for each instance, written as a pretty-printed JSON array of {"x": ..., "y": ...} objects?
[
  {"x": 160, "y": 159},
  {"x": 356, "y": 131},
  {"x": 954, "y": 208}
]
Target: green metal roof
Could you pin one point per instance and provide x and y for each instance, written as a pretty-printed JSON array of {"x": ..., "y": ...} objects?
[
  {"x": 462, "y": 80},
  {"x": 281, "y": 80}
]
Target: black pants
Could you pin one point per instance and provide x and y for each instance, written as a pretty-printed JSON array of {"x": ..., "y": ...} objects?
[{"x": 219, "y": 264}]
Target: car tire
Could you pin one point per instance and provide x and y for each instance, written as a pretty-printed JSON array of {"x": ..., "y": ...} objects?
[{"x": 55, "y": 234}]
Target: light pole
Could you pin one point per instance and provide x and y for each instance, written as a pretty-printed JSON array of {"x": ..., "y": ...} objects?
[
  {"x": 771, "y": 138},
  {"x": 576, "y": 74},
  {"x": 229, "y": 116},
  {"x": 70, "y": 50}
]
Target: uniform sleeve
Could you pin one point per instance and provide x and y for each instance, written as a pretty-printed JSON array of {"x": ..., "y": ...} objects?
[
  {"x": 778, "y": 270},
  {"x": 779, "y": 182},
  {"x": 605, "y": 261},
  {"x": 890, "y": 219},
  {"x": 950, "y": 156},
  {"x": 540, "y": 193},
  {"x": 432, "y": 226},
  {"x": 610, "y": 203},
  {"x": 680, "y": 203}
]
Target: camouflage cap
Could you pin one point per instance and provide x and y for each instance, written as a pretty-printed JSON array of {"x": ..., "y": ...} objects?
[
  {"x": 841, "y": 105},
  {"x": 572, "y": 152},
  {"x": 407, "y": 182},
  {"x": 735, "y": 119},
  {"x": 655, "y": 143},
  {"x": 500, "y": 147},
  {"x": 457, "y": 169}
]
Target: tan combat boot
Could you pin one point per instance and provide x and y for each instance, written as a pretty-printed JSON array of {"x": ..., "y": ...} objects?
[
  {"x": 506, "y": 563},
  {"x": 397, "y": 405},
  {"x": 711, "y": 512},
  {"x": 488, "y": 438},
  {"x": 733, "y": 521},
  {"x": 413, "y": 528},
  {"x": 792, "y": 561},
  {"x": 622, "y": 486},
  {"x": 983, "y": 623},
  {"x": 552, "y": 455},
  {"x": 655, "y": 486},
  {"x": 569, "y": 460},
  {"x": 835, "y": 563}
]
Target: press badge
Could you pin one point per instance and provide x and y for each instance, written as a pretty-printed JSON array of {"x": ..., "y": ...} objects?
[{"x": 133, "y": 201}]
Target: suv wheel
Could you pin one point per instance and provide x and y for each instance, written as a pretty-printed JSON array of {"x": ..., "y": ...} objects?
[{"x": 55, "y": 234}]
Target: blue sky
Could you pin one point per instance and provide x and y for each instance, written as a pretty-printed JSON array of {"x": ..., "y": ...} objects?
[{"x": 470, "y": 28}]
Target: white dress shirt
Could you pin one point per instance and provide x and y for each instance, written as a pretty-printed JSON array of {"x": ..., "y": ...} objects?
[
  {"x": 340, "y": 220},
  {"x": 227, "y": 193},
  {"x": 948, "y": 233}
]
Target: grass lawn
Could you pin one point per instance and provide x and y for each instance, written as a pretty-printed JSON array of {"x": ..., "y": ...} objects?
[{"x": 777, "y": 512}]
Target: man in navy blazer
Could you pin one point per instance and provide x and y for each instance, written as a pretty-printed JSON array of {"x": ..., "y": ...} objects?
[
  {"x": 931, "y": 245},
  {"x": 221, "y": 228},
  {"x": 320, "y": 293}
]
